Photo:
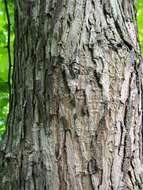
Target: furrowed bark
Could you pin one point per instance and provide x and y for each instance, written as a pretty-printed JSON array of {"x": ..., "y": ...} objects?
[{"x": 75, "y": 121}]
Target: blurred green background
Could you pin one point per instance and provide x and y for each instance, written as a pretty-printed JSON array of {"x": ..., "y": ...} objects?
[
  {"x": 139, "y": 7},
  {"x": 4, "y": 96}
]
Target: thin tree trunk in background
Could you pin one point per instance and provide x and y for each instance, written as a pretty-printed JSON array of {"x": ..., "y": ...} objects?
[{"x": 75, "y": 121}]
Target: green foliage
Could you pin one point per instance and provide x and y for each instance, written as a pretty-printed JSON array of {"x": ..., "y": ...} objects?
[
  {"x": 139, "y": 6},
  {"x": 4, "y": 96}
]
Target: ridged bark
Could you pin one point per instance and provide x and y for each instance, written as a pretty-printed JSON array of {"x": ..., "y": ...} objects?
[{"x": 75, "y": 120}]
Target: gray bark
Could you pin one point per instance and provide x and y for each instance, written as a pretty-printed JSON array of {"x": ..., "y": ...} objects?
[{"x": 75, "y": 119}]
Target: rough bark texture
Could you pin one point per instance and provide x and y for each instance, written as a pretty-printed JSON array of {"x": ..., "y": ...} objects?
[{"x": 75, "y": 121}]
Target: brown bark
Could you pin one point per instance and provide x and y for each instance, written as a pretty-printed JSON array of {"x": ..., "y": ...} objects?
[{"x": 75, "y": 121}]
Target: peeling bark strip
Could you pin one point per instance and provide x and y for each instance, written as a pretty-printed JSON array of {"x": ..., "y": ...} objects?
[{"x": 75, "y": 121}]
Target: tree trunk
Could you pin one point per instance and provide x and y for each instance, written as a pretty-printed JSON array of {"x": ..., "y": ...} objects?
[{"x": 75, "y": 119}]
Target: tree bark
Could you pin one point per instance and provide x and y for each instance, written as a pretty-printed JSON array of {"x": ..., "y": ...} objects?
[{"x": 75, "y": 120}]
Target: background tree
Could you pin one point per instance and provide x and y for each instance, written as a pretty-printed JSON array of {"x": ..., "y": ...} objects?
[{"x": 75, "y": 117}]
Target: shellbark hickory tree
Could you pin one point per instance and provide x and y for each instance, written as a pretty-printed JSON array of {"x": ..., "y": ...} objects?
[{"x": 75, "y": 119}]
